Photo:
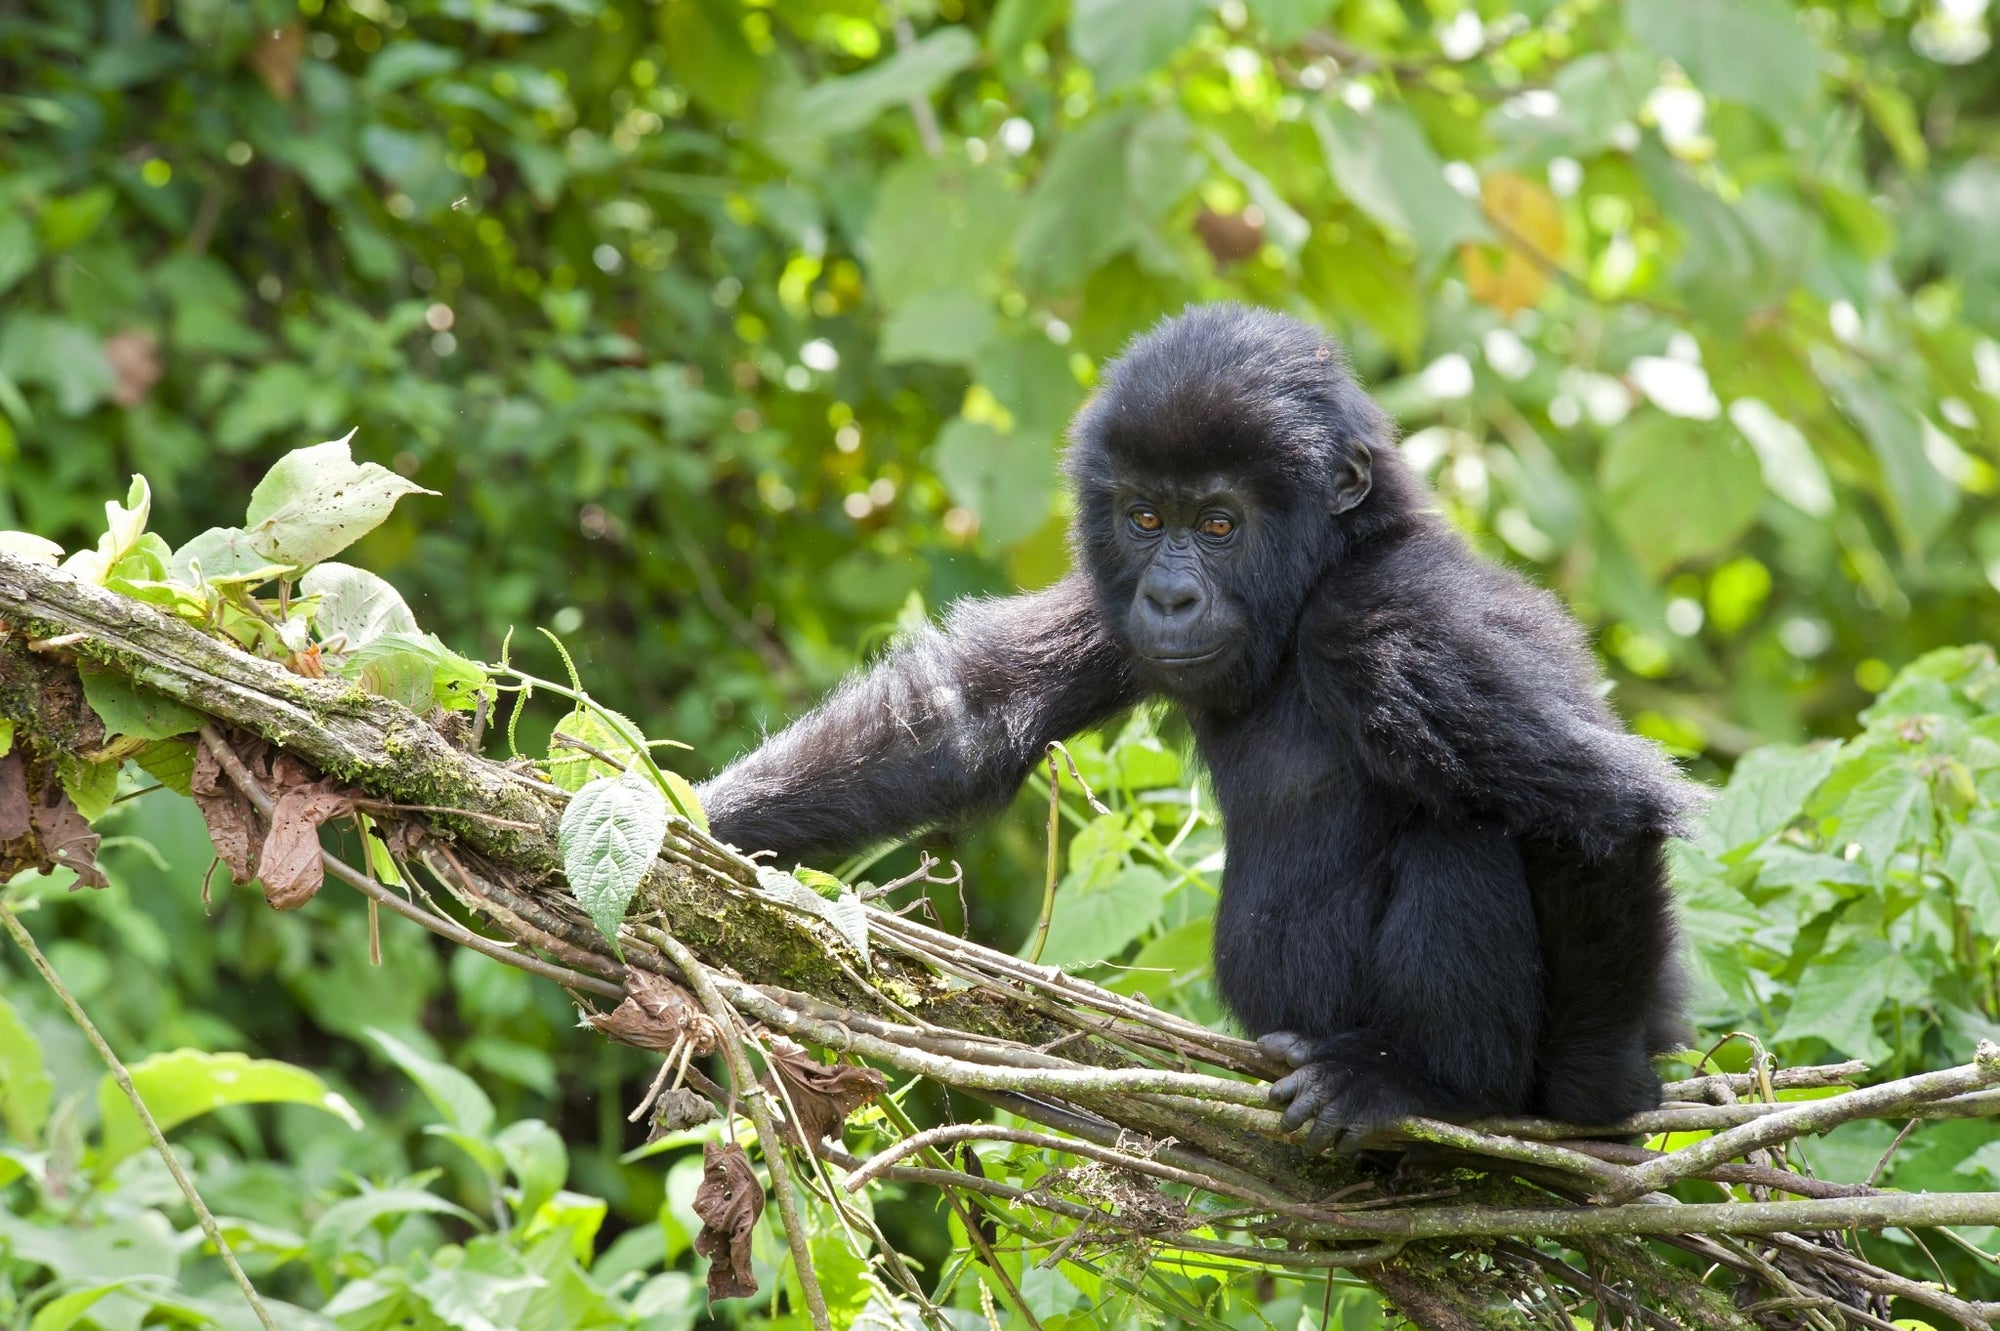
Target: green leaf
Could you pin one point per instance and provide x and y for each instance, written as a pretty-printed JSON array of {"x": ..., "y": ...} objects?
[
  {"x": 1677, "y": 490},
  {"x": 1838, "y": 997},
  {"x": 1285, "y": 21},
  {"x": 1886, "y": 810},
  {"x": 937, "y": 224},
  {"x": 1123, "y": 40},
  {"x": 1015, "y": 23},
  {"x": 1972, "y": 862},
  {"x": 66, "y": 358},
  {"x": 416, "y": 670},
  {"x": 223, "y": 557},
  {"x": 69, "y": 219},
  {"x": 66, "y": 1310},
  {"x": 25, "y": 1086},
  {"x": 941, "y": 326},
  {"x": 405, "y": 62},
  {"x": 90, "y": 786},
  {"x": 315, "y": 502},
  {"x": 187, "y": 1083},
  {"x": 356, "y": 605},
  {"x": 1766, "y": 792},
  {"x": 611, "y": 834},
  {"x": 599, "y": 727},
  {"x": 342, "y": 1224},
  {"x": 170, "y": 762},
  {"x": 1030, "y": 376},
  {"x": 456, "y": 1097},
  {"x": 539, "y": 1162},
  {"x": 1003, "y": 478},
  {"x": 133, "y": 710},
  {"x": 17, "y": 248},
  {"x": 1750, "y": 51},
  {"x": 1921, "y": 498},
  {"x": 6, "y": 735},
  {"x": 1384, "y": 164},
  {"x": 843, "y": 105},
  {"x": 1079, "y": 214},
  {"x": 1096, "y": 920}
]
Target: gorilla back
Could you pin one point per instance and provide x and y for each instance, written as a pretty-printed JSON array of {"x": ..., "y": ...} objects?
[{"x": 1444, "y": 890}]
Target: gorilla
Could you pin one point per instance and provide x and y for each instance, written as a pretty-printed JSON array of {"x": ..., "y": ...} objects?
[{"x": 1444, "y": 890}]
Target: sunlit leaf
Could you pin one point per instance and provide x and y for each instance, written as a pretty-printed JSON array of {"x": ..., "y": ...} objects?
[{"x": 187, "y": 1083}]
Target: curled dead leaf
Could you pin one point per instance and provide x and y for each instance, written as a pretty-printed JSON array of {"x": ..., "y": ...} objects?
[
  {"x": 729, "y": 1201},
  {"x": 1230, "y": 237},
  {"x": 682, "y": 1107},
  {"x": 823, "y": 1094},
  {"x": 275, "y": 56},
  {"x": 656, "y": 1014},
  {"x": 286, "y": 857},
  {"x": 134, "y": 355},
  {"x": 40, "y": 827}
]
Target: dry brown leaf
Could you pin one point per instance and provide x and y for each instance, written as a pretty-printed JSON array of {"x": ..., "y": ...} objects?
[
  {"x": 656, "y": 1014},
  {"x": 824, "y": 1094},
  {"x": 16, "y": 814},
  {"x": 290, "y": 866},
  {"x": 232, "y": 822},
  {"x": 1230, "y": 237},
  {"x": 275, "y": 57},
  {"x": 134, "y": 355},
  {"x": 682, "y": 1107},
  {"x": 728, "y": 1201},
  {"x": 39, "y": 826}
]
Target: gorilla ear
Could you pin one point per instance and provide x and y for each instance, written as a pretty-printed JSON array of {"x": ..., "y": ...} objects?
[{"x": 1352, "y": 479}]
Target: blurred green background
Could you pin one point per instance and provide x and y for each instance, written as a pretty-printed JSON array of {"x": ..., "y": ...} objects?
[{"x": 736, "y": 332}]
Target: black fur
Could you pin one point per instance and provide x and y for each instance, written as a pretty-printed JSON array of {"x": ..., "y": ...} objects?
[{"x": 1445, "y": 892}]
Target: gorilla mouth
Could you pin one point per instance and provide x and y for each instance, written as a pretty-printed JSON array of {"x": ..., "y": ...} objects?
[{"x": 1193, "y": 659}]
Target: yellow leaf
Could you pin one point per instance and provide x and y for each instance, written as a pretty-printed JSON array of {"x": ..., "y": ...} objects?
[{"x": 1512, "y": 275}]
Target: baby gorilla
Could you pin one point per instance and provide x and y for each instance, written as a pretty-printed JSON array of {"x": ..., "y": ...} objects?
[{"x": 1444, "y": 891}]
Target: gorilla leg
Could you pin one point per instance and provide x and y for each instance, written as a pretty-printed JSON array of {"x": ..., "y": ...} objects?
[{"x": 1456, "y": 996}]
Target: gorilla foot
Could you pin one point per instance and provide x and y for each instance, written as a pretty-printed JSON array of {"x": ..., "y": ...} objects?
[{"x": 1348, "y": 1088}]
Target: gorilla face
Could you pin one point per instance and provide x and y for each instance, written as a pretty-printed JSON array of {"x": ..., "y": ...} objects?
[{"x": 1184, "y": 621}]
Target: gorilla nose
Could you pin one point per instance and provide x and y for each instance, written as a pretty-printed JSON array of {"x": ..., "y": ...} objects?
[{"x": 1173, "y": 602}]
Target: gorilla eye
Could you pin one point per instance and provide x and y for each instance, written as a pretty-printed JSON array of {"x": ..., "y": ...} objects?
[
  {"x": 1217, "y": 525},
  {"x": 1146, "y": 520}
]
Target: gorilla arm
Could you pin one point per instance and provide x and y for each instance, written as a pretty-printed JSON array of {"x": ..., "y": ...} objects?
[
  {"x": 1474, "y": 692},
  {"x": 948, "y": 724}
]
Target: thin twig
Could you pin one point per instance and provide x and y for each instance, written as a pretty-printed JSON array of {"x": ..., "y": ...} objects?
[
  {"x": 26, "y": 942},
  {"x": 699, "y": 978}
]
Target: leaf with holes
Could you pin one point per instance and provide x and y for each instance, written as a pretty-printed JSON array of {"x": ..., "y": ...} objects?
[
  {"x": 611, "y": 834},
  {"x": 315, "y": 502}
]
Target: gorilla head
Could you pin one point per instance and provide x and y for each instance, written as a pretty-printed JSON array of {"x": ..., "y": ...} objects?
[{"x": 1227, "y": 461}]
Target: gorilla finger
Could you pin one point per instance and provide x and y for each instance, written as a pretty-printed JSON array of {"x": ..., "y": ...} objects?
[
  {"x": 1310, "y": 1100},
  {"x": 1294, "y": 1048},
  {"x": 1285, "y": 1087},
  {"x": 1330, "y": 1132}
]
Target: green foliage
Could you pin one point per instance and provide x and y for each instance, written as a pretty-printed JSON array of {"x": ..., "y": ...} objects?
[
  {"x": 725, "y": 363},
  {"x": 1845, "y": 896}
]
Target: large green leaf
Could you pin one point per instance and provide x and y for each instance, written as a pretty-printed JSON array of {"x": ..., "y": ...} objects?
[
  {"x": 25, "y": 1085},
  {"x": 1766, "y": 792},
  {"x": 1676, "y": 490},
  {"x": 843, "y": 105},
  {"x": 1384, "y": 164},
  {"x": 1097, "y": 915},
  {"x": 937, "y": 225},
  {"x": 1003, "y": 478},
  {"x": 1122, "y": 40},
  {"x": 1079, "y": 214},
  {"x": 1750, "y": 51},
  {"x": 315, "y": 502},
  {"x": 187, "y": 1083}
]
